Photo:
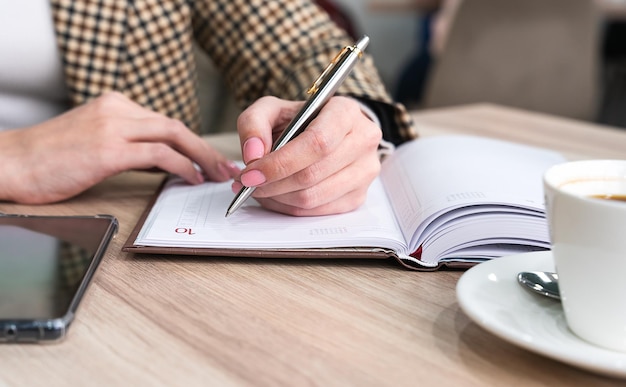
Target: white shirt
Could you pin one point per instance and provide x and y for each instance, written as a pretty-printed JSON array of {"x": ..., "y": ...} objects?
[{"x": 32, "y": 85}]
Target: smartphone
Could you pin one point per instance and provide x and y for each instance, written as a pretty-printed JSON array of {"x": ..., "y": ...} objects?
[{"x": 46, "y": 265}]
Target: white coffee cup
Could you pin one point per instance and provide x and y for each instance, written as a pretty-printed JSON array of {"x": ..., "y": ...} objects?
[{"x": 588, "y": 237}]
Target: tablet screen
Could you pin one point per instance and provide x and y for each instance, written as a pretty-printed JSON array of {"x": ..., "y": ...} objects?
[{"x": 44, "y": 262}]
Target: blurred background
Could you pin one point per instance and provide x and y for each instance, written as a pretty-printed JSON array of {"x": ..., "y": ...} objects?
[{"x": 561, "y": 57}]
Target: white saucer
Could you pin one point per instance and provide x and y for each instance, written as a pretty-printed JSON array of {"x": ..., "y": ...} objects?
[{"x": 490, "y": 295}]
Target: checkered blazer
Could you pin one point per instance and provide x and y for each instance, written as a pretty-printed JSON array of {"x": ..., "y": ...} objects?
[{"x": 143, "y": 48}]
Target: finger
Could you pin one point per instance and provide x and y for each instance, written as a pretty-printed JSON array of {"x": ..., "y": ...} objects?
[
  {"x": 147, "y": 155},
  {"x": 319, "y": 140},
  {"x": 351, "y": 156},
  {"x": 258, "y": 124},
  {"x": 176, "y": 135},
  {"x": 359, "y": 148},
  {"x": 357, "y": 176}
]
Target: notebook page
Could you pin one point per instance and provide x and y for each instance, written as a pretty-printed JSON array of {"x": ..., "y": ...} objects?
[
  {"x": 193, "y": 216},
  {"x": 448, "y": 172}
]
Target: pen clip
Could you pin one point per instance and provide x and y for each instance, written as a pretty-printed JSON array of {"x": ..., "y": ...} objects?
[{"x": 343, "y": 53}]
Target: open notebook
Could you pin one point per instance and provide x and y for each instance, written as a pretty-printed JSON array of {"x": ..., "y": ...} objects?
[{"x": 439, "y": 201}]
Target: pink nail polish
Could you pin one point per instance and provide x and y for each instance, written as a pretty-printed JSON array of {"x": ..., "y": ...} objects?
[
  {"x": 252, "y": 178},
  {"x": 253, "y": 149}
]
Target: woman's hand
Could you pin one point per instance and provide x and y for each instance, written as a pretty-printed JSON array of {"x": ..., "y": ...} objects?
[
  {"x": 327, "y": 169},
  {"x": 66, "y": 155}
]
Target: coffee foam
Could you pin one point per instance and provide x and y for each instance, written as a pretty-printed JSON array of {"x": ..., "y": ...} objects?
[{"x": 591, "y": 187}]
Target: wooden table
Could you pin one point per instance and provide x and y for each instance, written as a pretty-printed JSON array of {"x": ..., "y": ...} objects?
[{"x": 149, "y": 320}]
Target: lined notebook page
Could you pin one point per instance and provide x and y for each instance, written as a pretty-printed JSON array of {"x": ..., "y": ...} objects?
[{"x": 193, "y": 216}]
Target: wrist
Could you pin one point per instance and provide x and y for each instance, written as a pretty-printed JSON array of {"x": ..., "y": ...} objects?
[{"x": 385, "y": 148}]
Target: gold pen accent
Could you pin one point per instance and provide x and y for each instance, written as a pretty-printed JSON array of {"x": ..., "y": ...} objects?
[
  {"x": 345, "y": 51},
  {"x": 322, "y": 89}
]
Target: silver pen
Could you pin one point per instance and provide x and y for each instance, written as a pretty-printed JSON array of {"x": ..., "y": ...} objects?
[{"x": 319, "y": 93}]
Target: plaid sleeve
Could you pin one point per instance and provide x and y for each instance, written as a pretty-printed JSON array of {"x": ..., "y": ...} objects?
[{"x": 278, "y": 47}]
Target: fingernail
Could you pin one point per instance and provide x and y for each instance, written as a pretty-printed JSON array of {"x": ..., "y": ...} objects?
[
  {"x": 199, "y": 177},
  {"x": 253, "y": 149},
  {"x": 252, "y": 178}
]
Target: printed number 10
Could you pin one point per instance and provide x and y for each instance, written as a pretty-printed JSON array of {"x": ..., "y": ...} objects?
[{"x": 184, "y": 230}]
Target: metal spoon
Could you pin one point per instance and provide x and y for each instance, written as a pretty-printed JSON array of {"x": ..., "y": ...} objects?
[{"x": 542, "y": 282}]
